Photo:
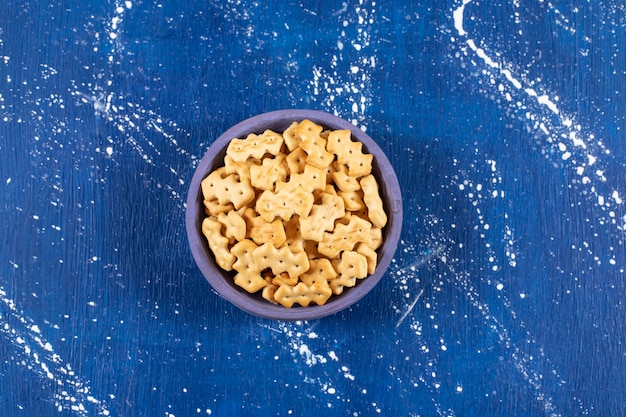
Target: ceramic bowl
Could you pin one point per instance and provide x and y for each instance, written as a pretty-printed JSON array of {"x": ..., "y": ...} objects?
[{"x": 222, "y": 281}]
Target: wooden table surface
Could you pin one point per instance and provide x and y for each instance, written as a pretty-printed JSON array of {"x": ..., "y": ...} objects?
[{"x": 504, "y": 121}]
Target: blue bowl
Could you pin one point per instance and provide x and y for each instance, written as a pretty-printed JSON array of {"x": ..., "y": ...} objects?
[{"x": 222, "y": 281}]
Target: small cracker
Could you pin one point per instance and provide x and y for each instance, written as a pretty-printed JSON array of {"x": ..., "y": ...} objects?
[
  {"x": 302, "y": 294},
  {"x": 232, "y": 167},
  {"x": 344, "y": 181},
  {"x": 350, "y": 267},
  {"x": 311, "y": 179},
  {"x": 375, "y": 238},
  {"x": 306, "y": 130},
  {"x": 228, "y": 188},
  {"x": 291, "y": 139},
  {"x": 255, "y": 146},
  {"x": 372, "y": 200},
  {"x": 261, "y": 231},
  {"x": 249, "y": 274},
  {"x": 353, "y": 200},
  {"x": 234, "y": 225},
  {"x": 349, "y": 153},
  {"x": 249, "y": 281},
  {"x": 284, "y": 279},
  {"x": 292, "y": 197},
  {"x": 296, "y": 161},
  {"x": 370, "y": 255},
  {"x": 269, "y": 290},
  {"x": 322, "y": 217},
  {"x": 271, "y": 171},
  {"x": 284, "y": 203},
  {"x": 294, "y": 240},
  {"x": 320, "y": 271},
  {"x": 345, "y": 237},
  {"x": 281, "y": 260},
  {"x": 315, "y": 147},
  {"x": 214, "y": 208},
  {"x": 218, "y": 243}
]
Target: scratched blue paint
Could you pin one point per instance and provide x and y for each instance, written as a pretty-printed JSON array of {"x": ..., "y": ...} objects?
[{"x": 503, "y": 120}]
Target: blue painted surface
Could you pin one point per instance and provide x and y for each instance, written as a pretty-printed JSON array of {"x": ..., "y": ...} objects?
[{"x": 503, "y": 120}]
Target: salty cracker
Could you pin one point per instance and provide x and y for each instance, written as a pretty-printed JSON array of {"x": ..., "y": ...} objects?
[
  {"x": 271, "y": 171},
  {"x": 284, "y": 279},
  {"x": 322, "y": 217},
  {"x": 302, "y": 294},
  {"x": 234, "y": 225},
  {"x": 240, "y": 168},
  {"x": 374, "y": 237},
  {"x": 345, "y": 237},
  {"x": 214, "y": 208},
  {"x": 307, "y": 130},
  {"x": 218, "y": 243},
  {"x": 296, "y": 161},
  {"x": 228, "y": 188},
  {"x": 311, "y": 179},
  {"x": 281, "y": 260},
  {"x": 248, "y": 272},
  {"x": 313, "y": 144},
  {"x": 261, "y": 231},
  {"x": 315, "y": 148},
  {"x": 344, "y": 181},
  {"x": 291, "y": 139},
  {"x": 353, "y": 200},
  {"x": 372, "y": 200},
  {"x": 295, "y": 242},
  {"x": 255, "y": 146},
  {"x": 316, "y": 154},
  {"x": 350, "y": 267},
  {"x": 292, "y": 197},
  {"x": 349, "y": 153},
  {"x": 320, "y": 271},
  {"x": 284, "y": 203},
  {"x": 269, "y": 289},
  {"x": 370, "y": 256}
]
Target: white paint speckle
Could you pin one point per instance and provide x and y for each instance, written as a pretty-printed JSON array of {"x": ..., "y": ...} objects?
[{"x": 616, "y": 197}]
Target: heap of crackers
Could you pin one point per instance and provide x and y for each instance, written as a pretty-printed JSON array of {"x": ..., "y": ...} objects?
[{"x": 297, "y": 215}]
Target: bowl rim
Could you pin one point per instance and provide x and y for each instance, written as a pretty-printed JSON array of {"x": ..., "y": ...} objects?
[{"x": 279, "y": 120}]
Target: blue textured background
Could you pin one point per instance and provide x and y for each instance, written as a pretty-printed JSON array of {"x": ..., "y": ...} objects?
[{"x": 504, "y": 121}]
